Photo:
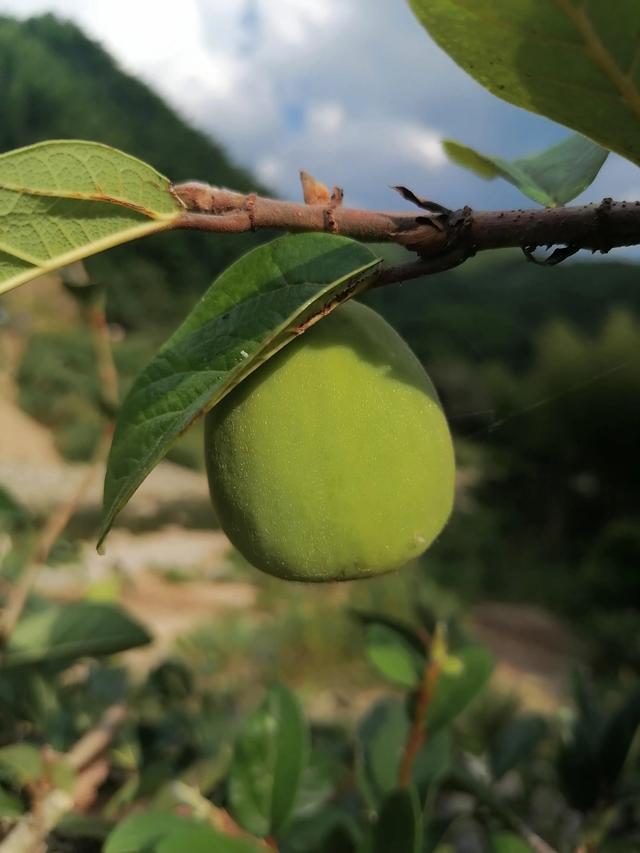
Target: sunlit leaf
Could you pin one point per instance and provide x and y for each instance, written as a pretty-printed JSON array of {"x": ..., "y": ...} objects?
[
  {"x": 65, "y": 200},
  {"x": 252, "y": 309},
  {"x": 574, "y": 62},
  {"x": 552, "y": 177}
]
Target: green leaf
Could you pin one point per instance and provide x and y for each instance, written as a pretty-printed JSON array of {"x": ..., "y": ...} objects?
[
  {"x": 250, "y": 311},
  {"x": 141, "y": 832},
  {"x": 205, "y": 839},
  {"x": 65, "y": 200},
  {"x": 10, "y": 805},
  {"x": 399, "y": 825},
  {"x": 515, "y": 742},
  {"x": 507, "y": 842},
  {"x": 381, "y": 738},
  {"x": 434, "y": 833},
  {"x": 454, "y": 691},
  {"x": 331, "y": 830},
  {"x": 393, "y": 655},
  {"x": 574, "y": 62},
  {"x": 270, "y": 754},
  {"x": 78, "y": 629},
  {"x": 433, "y": 760},
  {"x": 83, "y": 827},
  {"x": 552, "y": 177},
  {"x": 12, "y": 513},
  {"x": 21, "y": 763},
  {"x": 619, "y": 733}
]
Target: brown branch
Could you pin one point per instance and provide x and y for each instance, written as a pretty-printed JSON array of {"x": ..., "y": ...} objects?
[
  {"x": 441, "y": 243},
  {"x": 418, "y": 730}
]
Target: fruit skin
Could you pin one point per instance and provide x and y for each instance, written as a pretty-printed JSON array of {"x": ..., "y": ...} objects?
[{"x": 333, "y": 460}]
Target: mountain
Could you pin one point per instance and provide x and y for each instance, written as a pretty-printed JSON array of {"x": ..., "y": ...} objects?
[{"x": 58, "y": 84}]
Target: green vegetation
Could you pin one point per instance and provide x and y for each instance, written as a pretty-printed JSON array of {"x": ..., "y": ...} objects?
[{"x": 539, "y": 371}]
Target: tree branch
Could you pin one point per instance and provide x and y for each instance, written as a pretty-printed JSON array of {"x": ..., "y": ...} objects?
[{"x": 441, "y": 240}]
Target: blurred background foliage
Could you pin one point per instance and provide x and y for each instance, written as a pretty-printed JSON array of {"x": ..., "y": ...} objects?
[{"x": 539, "y": 372}]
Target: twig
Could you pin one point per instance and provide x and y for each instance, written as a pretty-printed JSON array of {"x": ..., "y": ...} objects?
[
  {"x": 455, "y": 236},
  {"x": 98, "y": 739},
  {"x": 29, "y": 833},
  {"x": 418, "y": 731},
  {"x": 218, "y": 817}
]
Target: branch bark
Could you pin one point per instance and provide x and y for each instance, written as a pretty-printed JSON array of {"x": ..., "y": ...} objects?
[{"x": 441, "y": 243}]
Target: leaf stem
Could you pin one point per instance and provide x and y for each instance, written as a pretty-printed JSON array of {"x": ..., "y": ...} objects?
[{"x": 418, "y": 732}]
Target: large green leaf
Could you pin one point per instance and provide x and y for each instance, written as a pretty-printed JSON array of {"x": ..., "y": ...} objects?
[
  {"x": 399, "y": 825},
  {"x": 552, "y": 177},
  {"x": 455, "y": 690},
  {"x": 575, "y": 61},
  {"x": 270, "y": 755},
  {"x": 252, "y": 309},
  {"x": 78, "y": 629},
  {"x": 62, "y": 201}
]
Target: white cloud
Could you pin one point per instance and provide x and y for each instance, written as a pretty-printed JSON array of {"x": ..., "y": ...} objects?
[
  {"x": 424, "y": 146},
  {"x": 351, "y": 90},
  {"x": 326, "y": 118}
]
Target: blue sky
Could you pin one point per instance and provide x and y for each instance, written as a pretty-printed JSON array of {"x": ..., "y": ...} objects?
[{"x": 354, "y": 91}]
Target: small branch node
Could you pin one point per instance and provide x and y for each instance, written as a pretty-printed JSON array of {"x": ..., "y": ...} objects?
[
  {"x": 250, "y": 207},
  {"x": 331, "y": 224},
  {"x": 313, "y": 191}
]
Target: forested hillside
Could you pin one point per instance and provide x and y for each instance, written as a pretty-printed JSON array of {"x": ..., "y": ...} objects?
[{"x": 58, "y": 84}]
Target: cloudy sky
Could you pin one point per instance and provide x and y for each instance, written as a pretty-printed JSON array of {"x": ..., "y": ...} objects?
[{"x": 351, "y": 90}]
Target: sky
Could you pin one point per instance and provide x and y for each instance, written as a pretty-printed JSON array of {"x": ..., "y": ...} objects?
[{"x": 353, "y": 91}]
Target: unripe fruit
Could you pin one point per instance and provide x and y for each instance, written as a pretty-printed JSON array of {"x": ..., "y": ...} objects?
[{"x": 333, "y": 460}]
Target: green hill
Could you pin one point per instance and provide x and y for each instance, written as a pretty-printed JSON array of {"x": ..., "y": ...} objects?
[{"x": 58, "y": 84}]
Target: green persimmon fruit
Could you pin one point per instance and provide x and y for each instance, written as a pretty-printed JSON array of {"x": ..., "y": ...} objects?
[{"x": 333, "y": 460}]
